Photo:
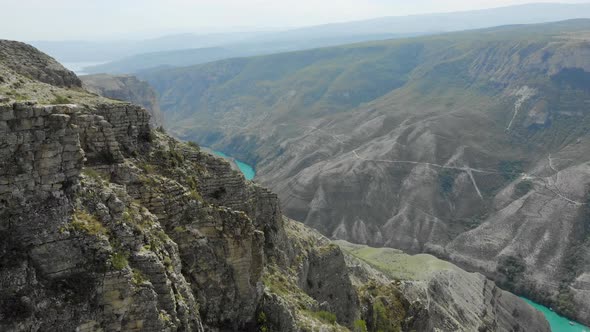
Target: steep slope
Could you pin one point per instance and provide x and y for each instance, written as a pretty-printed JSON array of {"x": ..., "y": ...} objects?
[
  {"x": 471, "y": 146},
  {"x": 27, "y": 60},
  {"x": 128, "y": 88},
  {"x": 108, "y": 225},
  {"x": 474, "y": 301}
]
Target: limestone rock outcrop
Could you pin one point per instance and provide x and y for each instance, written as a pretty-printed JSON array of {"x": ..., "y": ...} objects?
[
  {"x": 127, "y": 88},
  {"x": 68, "y": 260}
]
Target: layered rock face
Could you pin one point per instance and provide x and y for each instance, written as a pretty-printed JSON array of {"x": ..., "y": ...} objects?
[
  {"x": 68, "y": 261},
  {"x": 127, "y": 88},
  {"x": 171, "y": 241},
  {"x": 450, "y": 299},
  {"x": 104, "y": 233},
  {"x": 40, "y": 151}
]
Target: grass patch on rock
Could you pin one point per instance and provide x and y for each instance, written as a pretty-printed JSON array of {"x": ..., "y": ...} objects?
[
  {"x": 395, "y": 263},
  {"x": 119, "y": 261},
  {"x": 326, "y": 317},
  {"x": 59, "y": 99},
  {"x": 87, "y": 223}
]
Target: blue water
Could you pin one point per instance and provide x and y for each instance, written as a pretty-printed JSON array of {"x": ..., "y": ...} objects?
[
  {"x": 246, "y": 169},
  {"x": 557, "y": 322}
]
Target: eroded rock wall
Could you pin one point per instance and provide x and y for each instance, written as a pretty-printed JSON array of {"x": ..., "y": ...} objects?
[
  {"x": 127, "y": 88},
  {"x": 74, "y": 255}
]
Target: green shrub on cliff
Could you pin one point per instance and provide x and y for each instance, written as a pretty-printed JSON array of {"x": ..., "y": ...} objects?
[
  {"x": 262, "y": 322},
  {"x": 326, "y": 317},
  {"x": 119, "y": 261},
  {"x": 82, "y": 221},
  {"x": 360, "y": 325},
  {"x": 61, "y": 100},
  {"x": 138, "y": 278}
]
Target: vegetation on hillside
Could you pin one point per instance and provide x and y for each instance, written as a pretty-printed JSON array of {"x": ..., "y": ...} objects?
[{"x": 436, "y": 136}]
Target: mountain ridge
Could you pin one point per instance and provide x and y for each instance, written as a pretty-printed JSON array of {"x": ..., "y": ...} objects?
[
  {"x": 130, "y": 57},
  {"x": 466, "y": 145}
]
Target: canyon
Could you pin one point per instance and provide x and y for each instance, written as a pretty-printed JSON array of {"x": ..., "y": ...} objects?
[
  {"x": 111, "y": 225},
  {"x": 470, "y": 146}
]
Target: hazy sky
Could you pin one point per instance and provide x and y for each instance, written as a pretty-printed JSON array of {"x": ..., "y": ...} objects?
[{"x": 83, "y": 19}]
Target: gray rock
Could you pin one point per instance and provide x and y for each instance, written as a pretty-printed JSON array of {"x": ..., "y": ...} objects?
[
  {"x": 28, "y": 61},
  {"x": 127, "y": 88}
]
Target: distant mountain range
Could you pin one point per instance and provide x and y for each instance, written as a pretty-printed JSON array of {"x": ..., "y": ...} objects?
[
  {"x": 188, "y": 57},
  {"x": 189, "y": 49}
]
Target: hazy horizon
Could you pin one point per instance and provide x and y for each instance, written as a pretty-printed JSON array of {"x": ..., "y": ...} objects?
[{"x": 135, "y": 19}]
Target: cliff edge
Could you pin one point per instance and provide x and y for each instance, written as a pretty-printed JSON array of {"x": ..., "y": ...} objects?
[{"x": 109, "y": 225}]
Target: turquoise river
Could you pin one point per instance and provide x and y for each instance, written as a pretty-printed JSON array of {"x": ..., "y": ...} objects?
[
  {"x": 248, "y": 170},
  {"x": 557, "y": 322}
]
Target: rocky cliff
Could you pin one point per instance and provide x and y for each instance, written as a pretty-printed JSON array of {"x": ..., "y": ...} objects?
[
  {"x": 127, "y": 88},
  {"x": 471, "y": 146},
  {"x": 108, "y": 225},
  {"x": 452, "y": 299}
]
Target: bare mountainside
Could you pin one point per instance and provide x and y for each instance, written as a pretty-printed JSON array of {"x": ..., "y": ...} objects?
[
  {"x": 472, "y": 146},
  {"x": 128, "y": 88},
  {"x": 109, "y": 225}
]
